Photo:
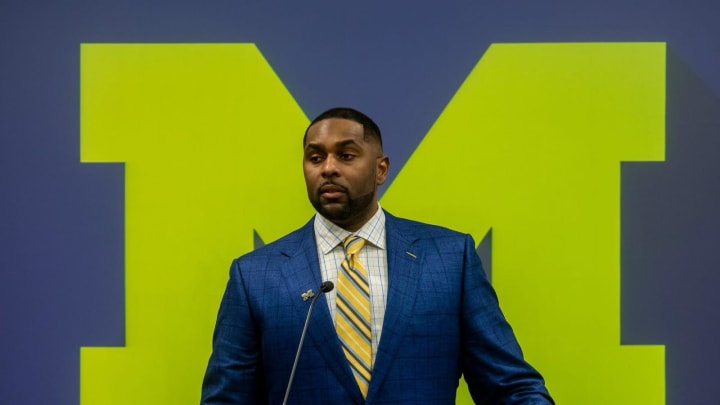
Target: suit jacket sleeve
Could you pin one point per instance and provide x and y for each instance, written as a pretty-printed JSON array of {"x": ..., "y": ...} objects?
[
  {"x": 233, "y": 375},
  {"x": 492, "y": 361}
]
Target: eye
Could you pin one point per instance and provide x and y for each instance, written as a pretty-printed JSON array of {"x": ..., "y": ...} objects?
[
  {"x": 315, "y": 158},
  {"x": 346, "y": 156}
]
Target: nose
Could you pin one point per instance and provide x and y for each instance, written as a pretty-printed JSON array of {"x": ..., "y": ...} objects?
[{"x": 329, "y": 167}]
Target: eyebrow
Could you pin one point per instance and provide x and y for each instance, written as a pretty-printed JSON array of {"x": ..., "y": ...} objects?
[{"x": 337, "y": 144}]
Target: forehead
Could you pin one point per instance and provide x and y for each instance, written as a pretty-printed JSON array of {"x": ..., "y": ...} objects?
[{"x": 335, "y": 130}]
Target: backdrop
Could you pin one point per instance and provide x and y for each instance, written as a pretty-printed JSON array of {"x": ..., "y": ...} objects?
[{"x": 144, "y": 145}]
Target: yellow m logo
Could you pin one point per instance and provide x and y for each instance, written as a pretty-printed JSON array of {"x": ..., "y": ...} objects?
[{"x": 530, "y": 146}]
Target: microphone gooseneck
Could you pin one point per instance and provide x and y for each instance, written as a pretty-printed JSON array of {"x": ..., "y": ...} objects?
[{"x": 326, "y": 286}]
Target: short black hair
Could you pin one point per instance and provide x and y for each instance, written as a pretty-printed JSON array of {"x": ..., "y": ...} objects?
[{"x": 370, "y": 128}]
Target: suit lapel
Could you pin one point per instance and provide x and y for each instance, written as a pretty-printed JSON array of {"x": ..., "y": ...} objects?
[
  {"x": 302, "y": 272},
  {"x": 404, "y": 259}
]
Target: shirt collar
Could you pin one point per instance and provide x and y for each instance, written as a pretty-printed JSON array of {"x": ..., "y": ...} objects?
[{"x": 328, "y": 235}]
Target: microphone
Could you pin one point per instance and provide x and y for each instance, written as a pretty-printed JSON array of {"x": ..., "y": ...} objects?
[{"x": 325, "y": 287}]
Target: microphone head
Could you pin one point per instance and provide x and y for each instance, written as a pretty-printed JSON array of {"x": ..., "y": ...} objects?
[{"x": 327, "y": 286}]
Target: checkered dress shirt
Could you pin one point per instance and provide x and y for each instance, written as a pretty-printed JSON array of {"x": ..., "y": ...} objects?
[{"x": 373, "y": 256}]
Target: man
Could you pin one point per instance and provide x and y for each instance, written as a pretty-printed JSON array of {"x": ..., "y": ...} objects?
[{"x": 411, "y": 311}]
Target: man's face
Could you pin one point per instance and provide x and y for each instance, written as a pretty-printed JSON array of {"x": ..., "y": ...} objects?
[{"x": 342, "y": 171}]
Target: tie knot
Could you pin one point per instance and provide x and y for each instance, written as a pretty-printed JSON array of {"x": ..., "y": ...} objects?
[{"x": 352, "y": 244}]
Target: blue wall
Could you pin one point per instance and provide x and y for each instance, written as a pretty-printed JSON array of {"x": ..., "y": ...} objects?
[{"x": 61, "y": 223}]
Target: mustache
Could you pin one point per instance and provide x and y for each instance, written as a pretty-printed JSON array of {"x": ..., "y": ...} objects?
[{"x": 331, "y": 183}]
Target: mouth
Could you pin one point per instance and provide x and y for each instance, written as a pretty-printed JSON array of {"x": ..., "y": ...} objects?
[{"x": 330, "y": 191}]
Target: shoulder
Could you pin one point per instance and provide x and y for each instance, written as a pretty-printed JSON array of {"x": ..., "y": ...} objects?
[
  {"x": 292, "y": 242},
  {"x": 421, "y": 228}
]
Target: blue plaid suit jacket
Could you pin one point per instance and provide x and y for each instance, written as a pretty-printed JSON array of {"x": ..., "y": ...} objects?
[{"x": 442, "y": 320}]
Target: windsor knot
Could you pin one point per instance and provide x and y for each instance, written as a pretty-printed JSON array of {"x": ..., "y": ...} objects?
[{"x": 352, "y": 244}]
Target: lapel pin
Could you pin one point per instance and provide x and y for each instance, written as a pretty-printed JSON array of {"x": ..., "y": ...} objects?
[
  {"x": 411, "y": 255},
  {"x": 307, "y": 295}
]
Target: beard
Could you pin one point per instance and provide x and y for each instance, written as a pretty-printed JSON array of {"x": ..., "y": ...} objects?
[{"x": 341, "y": 213}]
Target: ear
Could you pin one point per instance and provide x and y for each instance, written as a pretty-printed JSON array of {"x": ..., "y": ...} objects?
[{"x": 383, "y": 165}]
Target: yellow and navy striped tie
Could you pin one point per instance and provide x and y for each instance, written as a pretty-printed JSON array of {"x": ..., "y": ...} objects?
[{"x": 353, "y": 315}]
